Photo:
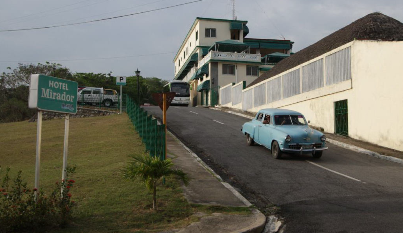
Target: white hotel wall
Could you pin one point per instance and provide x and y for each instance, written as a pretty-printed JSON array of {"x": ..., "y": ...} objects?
[
  {"x": 376, "y": 109},
  {"x": 374, "y": 95}
]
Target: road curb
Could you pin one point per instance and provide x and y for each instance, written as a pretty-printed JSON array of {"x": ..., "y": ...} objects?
[
  {"x": 364, "y": 151},
  {"x": 227, "y": 185}
]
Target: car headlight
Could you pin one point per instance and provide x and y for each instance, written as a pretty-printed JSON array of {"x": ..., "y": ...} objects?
[
  {"x": 323, "y": 138},
  {"x": 288, "y": 138}
]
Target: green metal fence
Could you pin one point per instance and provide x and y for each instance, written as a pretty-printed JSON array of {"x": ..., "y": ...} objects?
[{"x": 152, "y": 134}]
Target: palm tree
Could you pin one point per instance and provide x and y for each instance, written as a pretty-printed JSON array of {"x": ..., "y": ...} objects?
[{"x": 150, "y": 170}]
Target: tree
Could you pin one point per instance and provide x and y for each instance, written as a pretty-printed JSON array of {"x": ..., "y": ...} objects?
[
  {"x": 95, "y": 80},
  {"x": 150, "y": 170},
  {"x": 21, "y": 75},
  {"x": 147, "y": 87},
  {"x": 14, "y": 88}
]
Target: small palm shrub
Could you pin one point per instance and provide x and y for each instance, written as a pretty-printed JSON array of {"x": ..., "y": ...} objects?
[{"x": 151, "y": 170}]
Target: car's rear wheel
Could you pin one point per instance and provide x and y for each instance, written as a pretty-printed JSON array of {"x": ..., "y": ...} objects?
[
  {"x": 107, "y": 103},
  {"x": 275, "y": 150},
  {"x": 317, "y": 154},
  {"x": 249, "y": 140}
]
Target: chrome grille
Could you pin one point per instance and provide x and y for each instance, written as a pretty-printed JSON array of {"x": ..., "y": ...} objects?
[{"x": 298, "y": 146}]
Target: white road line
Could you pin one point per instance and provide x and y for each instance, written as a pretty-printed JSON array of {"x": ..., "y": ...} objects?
[
  {"x": 338, "y": 173},
  {"x": 194, "y": 112},
  {"x": 218, "y": 122}
]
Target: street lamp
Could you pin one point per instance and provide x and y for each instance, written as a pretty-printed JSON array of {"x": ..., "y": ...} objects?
[{"x": 138, "y": 84}]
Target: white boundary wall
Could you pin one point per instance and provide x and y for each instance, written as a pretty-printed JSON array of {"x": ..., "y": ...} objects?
[
  {"x": 367, "y": 74},
  {"x": 236, "y": 94},
  {"x": 225, "y": 95}
]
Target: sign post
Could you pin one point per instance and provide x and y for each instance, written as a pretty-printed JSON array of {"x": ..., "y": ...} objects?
[
  {"x": 121, "y": 81},
  {"x": 66, "y": 144},
  {"x": 164, "y": 101},
  {"x": 38, "y": 150},
  {"x": 55, "y": 95},
  {"x": 164, "y": 119}
]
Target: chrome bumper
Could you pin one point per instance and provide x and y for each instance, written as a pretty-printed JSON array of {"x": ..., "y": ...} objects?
[{"x": 313, "y": 150}]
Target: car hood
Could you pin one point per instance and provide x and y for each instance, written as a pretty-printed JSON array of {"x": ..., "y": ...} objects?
[{"x": 301, "y": 133}]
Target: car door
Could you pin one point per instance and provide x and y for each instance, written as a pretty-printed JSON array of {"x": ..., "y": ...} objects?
[
  {"x": 85, "y": 96},
  {"x": 97, "y": 96},
  {"x": 258, "y": 125},
  {"x": 265, "y": 135}
]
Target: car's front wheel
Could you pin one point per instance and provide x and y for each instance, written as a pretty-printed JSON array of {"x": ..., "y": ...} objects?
[
  {"x": 249, "y": 140},
  {"x": 107, "y": 103},
  {"x": 275, "y": 150},
  {"x": 317, "y": 154}
]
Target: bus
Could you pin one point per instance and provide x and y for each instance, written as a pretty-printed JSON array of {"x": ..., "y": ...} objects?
[{"x": 182, "y": 91}]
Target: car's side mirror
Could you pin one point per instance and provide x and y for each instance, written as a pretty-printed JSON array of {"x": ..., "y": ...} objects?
[{"x": 309, "y": 121}]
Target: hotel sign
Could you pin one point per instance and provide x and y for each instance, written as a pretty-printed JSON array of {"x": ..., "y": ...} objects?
[{"x": 52, "y": 94}]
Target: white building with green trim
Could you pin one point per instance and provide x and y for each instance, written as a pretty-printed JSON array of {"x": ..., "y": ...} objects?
[{"x": 215, "y": 53}]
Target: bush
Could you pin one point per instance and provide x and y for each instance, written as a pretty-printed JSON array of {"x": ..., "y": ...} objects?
[{"x": 22, "y": 210}]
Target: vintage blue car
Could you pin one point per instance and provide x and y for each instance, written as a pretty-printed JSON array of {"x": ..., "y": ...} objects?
[{"x": 284, "y": 131}]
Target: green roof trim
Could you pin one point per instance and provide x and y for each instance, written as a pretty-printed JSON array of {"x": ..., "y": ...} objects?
[
  {"x": 267, "y": 41},
  {"x": 194, "y": 57},
  {"x": 205, "y": 51},
  {"x": 193, "y": 77},
  {"x": 268, "y": 45},
  {"x": 203, "y": 70},
  {"x": 229, "y": 46},
  {"x": 276, "y": 54},
  {"x": 274, "y": 57},
  {"x": 265, "y": 68},
  {"x": 245, "y": 30},
  {"x": 204, "y": 86},
  {"x": 275, "y": 46},
  {"x": 200, "y": 72},
  {"x": 186, "y": 66},
  {"x": 235, "y": 26},
  {"x": 222, "y": 20}
]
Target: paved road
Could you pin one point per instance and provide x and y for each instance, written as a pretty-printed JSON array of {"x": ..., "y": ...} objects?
[{"x": 344, "y": 191}]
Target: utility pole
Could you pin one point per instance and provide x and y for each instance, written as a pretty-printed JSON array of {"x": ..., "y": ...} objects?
[{"x": 233, "y": 10}]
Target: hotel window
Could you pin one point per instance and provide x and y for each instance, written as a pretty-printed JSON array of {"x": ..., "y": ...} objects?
[
  {"x": 228, "y": 69},
  {"x": 197, "y": 35},
  {"x": 210, "y": 32},
  {"x": 251, "y": 70}
]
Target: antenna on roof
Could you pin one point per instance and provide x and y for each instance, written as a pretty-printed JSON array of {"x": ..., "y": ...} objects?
[{"x": 233, "y": 10}]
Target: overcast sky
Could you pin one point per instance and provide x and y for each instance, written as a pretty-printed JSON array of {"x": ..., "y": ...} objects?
[{"x": 150, "y": 38}]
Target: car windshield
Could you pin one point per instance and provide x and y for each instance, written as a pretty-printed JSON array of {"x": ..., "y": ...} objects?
[{"x": 289, "y": 120}]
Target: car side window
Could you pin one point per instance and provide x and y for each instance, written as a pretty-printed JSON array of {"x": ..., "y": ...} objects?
[
  {"x": 266, "y": 119},
  {"x": 259, "y": 117},
  {"x": 86, "y": 92},
  {"x": 96, "y": 91}
]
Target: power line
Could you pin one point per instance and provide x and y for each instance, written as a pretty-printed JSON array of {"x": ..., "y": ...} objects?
[
  {"x": 24, "y": 16},
  {"x": 99, "y": 58},
  {"x": 106, "y": 13},
  {"x": 269, "y": 20},
  {"x": 98, "y": 20}
]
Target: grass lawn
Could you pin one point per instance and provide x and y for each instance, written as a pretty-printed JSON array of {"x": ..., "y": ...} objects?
[{"x": 99, "y": 147}]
